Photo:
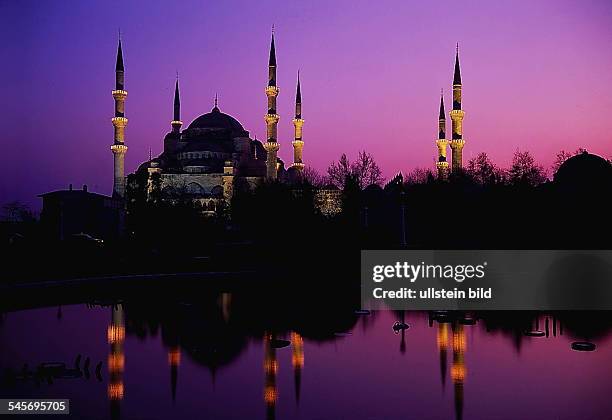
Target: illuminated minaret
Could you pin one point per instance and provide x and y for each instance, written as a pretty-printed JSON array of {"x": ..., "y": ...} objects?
[
  {"x": 298, "y": 122},
  {"x": 116, "y": 359},
  {"x": 271, "y": 117},
  {"x": 119, "y": 122},
  {"x": 457, "y": 114},
  {"x": 176, "y": 122},
  {"x": 442, "y": 163}
]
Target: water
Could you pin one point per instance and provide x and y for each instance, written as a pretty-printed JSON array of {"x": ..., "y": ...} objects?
[{"x": 216, "y": 360}]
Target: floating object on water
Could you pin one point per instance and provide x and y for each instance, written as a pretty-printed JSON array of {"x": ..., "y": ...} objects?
[
  {"x": 467, "y": 321},
  {"x": 343, "y": 334},
  {"x": 362, "y": 312},
  {"x": 534, "y": 333},
  {"x": 583, "y": 346},
  {"x": 279, "y": 344},
  {"x": 400, "y": 326}
]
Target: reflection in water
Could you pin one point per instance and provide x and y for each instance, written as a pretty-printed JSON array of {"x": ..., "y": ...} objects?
[
  {"x": 270, "y": 372},
  {"x": 116, "y": 359},
  {"x": 297, "y": 361},
  {"x": 219, "y": 331},
  {"x": 458, "y": 369},
  {"x": 174, "y": 360}
]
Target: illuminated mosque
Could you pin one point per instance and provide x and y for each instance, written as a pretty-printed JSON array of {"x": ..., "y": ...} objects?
[{"x": 214, "y": 154}]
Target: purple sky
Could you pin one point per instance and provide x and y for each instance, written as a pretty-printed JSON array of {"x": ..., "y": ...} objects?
[{"x": 536, "y": 76}]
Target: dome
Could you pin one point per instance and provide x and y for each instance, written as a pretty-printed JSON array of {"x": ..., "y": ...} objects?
[
  {"x": 584, "y": 169},
  {"x": 216, "y": 120}
]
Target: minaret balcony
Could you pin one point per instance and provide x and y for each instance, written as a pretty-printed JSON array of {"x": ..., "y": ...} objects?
[
  {"x": 297, "y": 143},
  {"x": 298, "y": 122},
  {"x": 119, "y": 121},
  {"x": 119, "y": 94},
  {"x": 119, "y": 148},
  {"x": 272, "y": 90},
  {"x": 457, "y": 114},
  {"x": 271, "y": 146},
  {"x": 298, "y": 165},
  {"x": 457, "y": 143},
  {"x": 176, "y": 122},
  {"x": 272, "y": 118}
]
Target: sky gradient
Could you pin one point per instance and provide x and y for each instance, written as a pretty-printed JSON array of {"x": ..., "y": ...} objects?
[{"x": 536, "y": 76}]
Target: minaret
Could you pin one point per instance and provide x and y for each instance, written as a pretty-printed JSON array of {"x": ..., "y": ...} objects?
[
  {"x": 119, "y": 122},
  {"x": 442, "y": 163},
  {"x": 271, "y": 117},
  {"x": 298, "y": 122},
  {"x": 176, "y": 122},
  {"x": 457, "y": 114}
]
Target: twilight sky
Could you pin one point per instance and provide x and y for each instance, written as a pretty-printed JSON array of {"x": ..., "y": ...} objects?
[{"x": 537, "y": 75}]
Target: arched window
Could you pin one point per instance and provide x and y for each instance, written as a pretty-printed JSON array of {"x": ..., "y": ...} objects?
[
  {"x": 195, "y": 189},
  {"x": 217, "y": 191}
]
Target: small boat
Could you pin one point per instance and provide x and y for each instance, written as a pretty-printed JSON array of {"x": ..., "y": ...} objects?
[
  {"x": 399, "y": 326},
  {"x": 343, "y": 334},
  {"x": 467, "y": 321},
  {"x": 279, "y": 344},
  {"x": 583, "y": 346},
  {"x": 362, "y": 312},
  {"x": 534, "y": 333}
]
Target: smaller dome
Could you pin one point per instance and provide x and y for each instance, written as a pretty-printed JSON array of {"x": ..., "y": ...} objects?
[{"x": 583, "y": 171}]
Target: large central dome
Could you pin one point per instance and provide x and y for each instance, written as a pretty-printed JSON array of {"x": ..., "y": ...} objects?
[{"x": 216, "y": 120}]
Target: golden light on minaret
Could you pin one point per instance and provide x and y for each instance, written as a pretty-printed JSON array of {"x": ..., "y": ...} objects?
[
  {"x": 119, "y": 121},
  {"x": 298, "y": 123},
  {"x": 441, "y": 142},
  {"x": 457, "y": 114},
  {"x": 271, "y": 145}
]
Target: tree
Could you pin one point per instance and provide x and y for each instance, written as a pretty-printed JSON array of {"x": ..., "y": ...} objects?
[
  {"x": 312, "y": 177},
  {"x": 483, "y": 171},
  {"x": 364, "y": 170},
  {"x": 16, "y": 211},
  {"x": 524, "y": 171},
  {"x": 419, "y": 176},
  {"x": 337, "y": 172}
]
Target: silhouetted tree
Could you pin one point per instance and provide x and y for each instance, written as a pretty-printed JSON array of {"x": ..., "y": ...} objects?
[
  {"x": 483, "y": 171},
  {"x": 312, "y": 177},
  {"x": 16, "y": 211},
  {"x": 419, "y": 176},
  {"x": 524, "y": 171},
  {"x": 364, "y": 171}
]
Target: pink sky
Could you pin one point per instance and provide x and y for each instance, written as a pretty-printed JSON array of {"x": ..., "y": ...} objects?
[{"x": 536, "y": 76}]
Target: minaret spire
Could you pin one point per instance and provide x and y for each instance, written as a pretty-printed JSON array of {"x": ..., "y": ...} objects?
[
  {"x": 298, "y": 122},
  {"x": 119, "y": 121},
  {"x": 442, "y": 164},
  {"x": 271, "y": 117},
  {"x": 176, "y": 120},
  {"x": 457, "y": 114}
]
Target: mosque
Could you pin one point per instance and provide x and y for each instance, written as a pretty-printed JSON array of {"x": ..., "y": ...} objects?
[{"x": 214, "y": 154}]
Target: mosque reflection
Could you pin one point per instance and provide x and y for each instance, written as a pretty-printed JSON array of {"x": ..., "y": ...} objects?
[{"x": 215, "y": 330}]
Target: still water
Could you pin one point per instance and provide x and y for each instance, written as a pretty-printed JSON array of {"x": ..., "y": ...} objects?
[{"x": 212, "y": 360}]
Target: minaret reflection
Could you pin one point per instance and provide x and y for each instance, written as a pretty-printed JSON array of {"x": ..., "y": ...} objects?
[
  {"x": 297, "y": 361},
  {"x": 270, "y": 371},
  {"x": 458, "y": 369},
  {"x": 442, "y": 341},
  {"x": 116, "y": 359},
  {"x": 174, "y": 360}
]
